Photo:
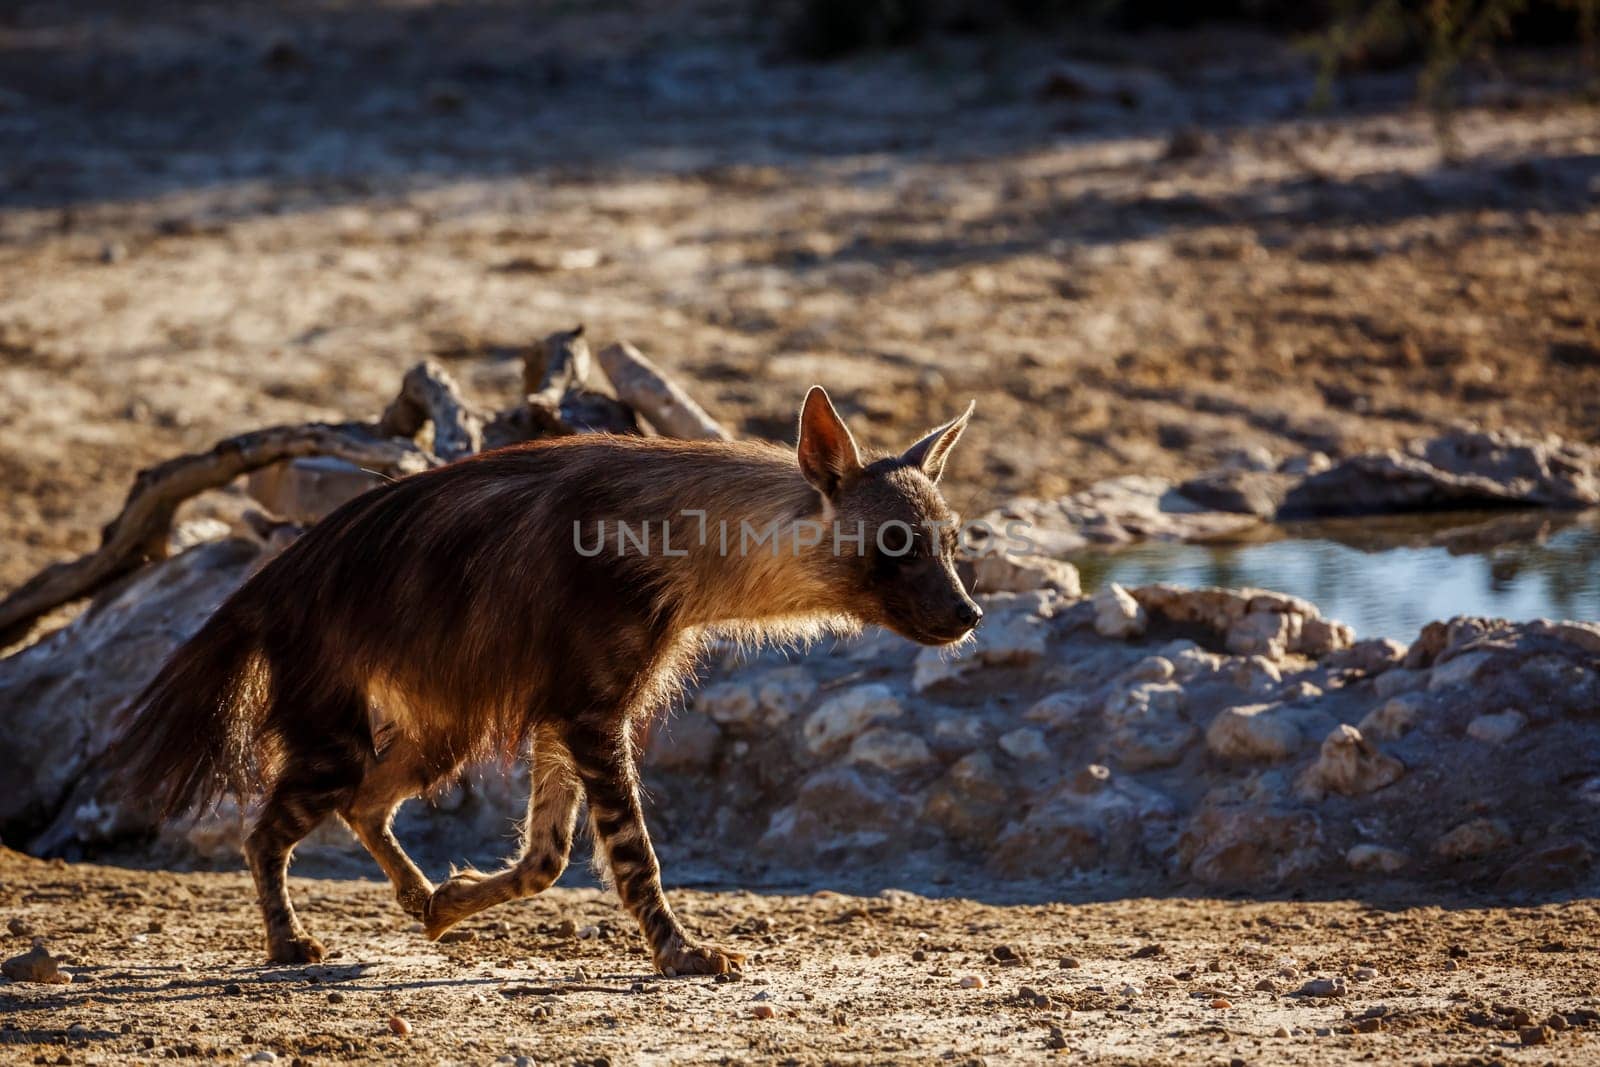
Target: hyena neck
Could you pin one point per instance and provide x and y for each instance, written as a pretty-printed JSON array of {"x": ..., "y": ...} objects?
[{"x": 757, "y": 575}]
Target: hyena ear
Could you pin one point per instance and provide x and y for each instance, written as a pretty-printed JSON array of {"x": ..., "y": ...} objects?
[
  {"x": 827, "y": 452},
  {"x": 931, "y": 452}
]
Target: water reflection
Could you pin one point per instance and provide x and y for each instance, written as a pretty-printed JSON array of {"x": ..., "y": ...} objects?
[{"x": 1388, "y": 576}]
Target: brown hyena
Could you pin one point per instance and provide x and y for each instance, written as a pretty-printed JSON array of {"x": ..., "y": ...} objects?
[{"x": 550, "y": 596}]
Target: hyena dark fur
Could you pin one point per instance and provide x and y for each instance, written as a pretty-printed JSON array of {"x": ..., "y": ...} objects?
[{"x": 449, "y": 617}]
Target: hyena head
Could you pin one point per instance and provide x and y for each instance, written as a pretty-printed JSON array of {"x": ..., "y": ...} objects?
[{"x": 901, "y": 572}]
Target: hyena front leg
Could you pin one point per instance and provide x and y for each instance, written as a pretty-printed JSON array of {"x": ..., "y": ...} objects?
[
  {"x": 603, "y": 756},
  {"x": 370, "y": 815},
  {"x": 546, "y": 844}
]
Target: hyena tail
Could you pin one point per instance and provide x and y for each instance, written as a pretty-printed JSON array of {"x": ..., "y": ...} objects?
[{"x": 190, "y": 734}]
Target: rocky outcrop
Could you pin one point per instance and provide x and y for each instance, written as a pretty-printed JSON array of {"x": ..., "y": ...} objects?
[
  {"x": 1229, "y": 739},
  {"x": 1459, "y": 469}
]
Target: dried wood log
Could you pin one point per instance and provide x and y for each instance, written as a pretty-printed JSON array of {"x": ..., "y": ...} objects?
[
  {"x": 557, "y": 400},
  {"x": 646, "y": 388},
  {"x": 139, "y": 533},
  {"x": 429, "y": 394},
  {"x": 555, "y": 366}
]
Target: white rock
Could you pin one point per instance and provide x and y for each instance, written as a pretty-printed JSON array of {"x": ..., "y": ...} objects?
[
  {"x": 1459, "y": 671},
  {"x": 1349, "y": 765},
  {"x": 1254, "y": 732},
  {"x": 1263, "y": 633},
  {"x": 1014, "y": 639},
  {"x": 1025, "y": 744},
  {"x": 1392, "y": 683},
  {"x": 1474, "y": 838},
  {"x": 1008, "y": 573},
  {"x": 1150, "y": 669},
  {"x": 894, "y": 751},
  {"x": 1498, "y": 728},
  {"x": 936, "y": 667},
  {"x": 730, "y": 704},
  {"x": 1367, "y": 857},
  {"x": 1394, "y": 718},
  {"x": 1058, "y": 711},
  {"x": 842, "y": 717},
  {"x": 1117, "y": 614},
  {"x": 785, "y": 692}
]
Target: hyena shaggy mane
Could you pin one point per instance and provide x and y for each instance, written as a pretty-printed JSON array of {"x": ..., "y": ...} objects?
[{"x": 509, "y": 602}]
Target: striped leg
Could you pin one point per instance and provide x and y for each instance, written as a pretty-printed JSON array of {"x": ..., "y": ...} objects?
[
  {"x": 293, "y": 809},
  {"x": 546, "y": 844},
  {"x": 604, "y": 761}
]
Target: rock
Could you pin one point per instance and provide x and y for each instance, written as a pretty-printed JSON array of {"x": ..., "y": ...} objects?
[
  {"x": 1250, "y": 847},
  {"x": 1350, "y": 765},
  {"x": 1071, "y": 829},
  {"x": 1498, "y": 728},
  {"x": 954, "y": 735},
  {"x": 17, "y": 927},
  {"x": 1025, "y": 744},
  {"x": 971, "y": 802},
  {"x": 1392, "y": 683},
  {"x": 399, "y": 1026},
  {"x": 306, "y": 490},
  {"x": 1395, "y": 718},
  {"x": 1375, "y": 656},
  {"x": 1262, "y": 633},
  {"x": 684, "y": 744},
  {"x": 1244, "y": 492},
  {"x": 1072, "y": 79},
  {"x": 1367, "y": 858},
  {"x": 1461, "y": 670},
  {"x": 35, "y": 965},
  {"x": 1535, "y": 1035},
  {"x": 971, "y": 981},
  {"x": 1455, "y": 470},
  {"x": 1014, "y": 638},
  {"x": 1117, "y": 615},
  {"x": 730, "y": 703},
  {"x": 1150, "y": 669},
  {"x": 59, "y": 697},
  {"x": 784, "y": 693},
  {"x": 895, "y": 751},
  {"x": 1474, "y": 839},
  {"x": 1058, "y": 711},
  {"x": 1014, "y": 573},
  {"x": 839, "y": 813},
  {"x": 1323, "y": 987},
  {"x": 935, "y": 667},
  {"x": 1561, "y": 865},
  {"x": 1147, "y": 730},
  {"x": 845, "y": 715},
  {"x": 1254, "y": 733}
]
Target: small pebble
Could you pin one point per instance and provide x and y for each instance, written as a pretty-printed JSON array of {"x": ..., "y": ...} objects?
[
  {"x": 919, "y": 956},
  {"x": 1266, "y": 985},
  {"x": 1282, "y": 1031},
  {"x": 19, "y": 928},
  {"x": 1451, "y": 965},
  {"x": 1366, "y": 974},
  {"x": 1071, "y": 963},
  {"x": 456, "y": 937},
  {"x": 1536, "y": 1035},
  {"x": 264, "y": 1056},
  {"x": 1057, "y": 1039},
  {"x": 399, "y": 1026},
  {"x": 1323, "y": 987},
  {"x": 971, "y": 981},
  {"x": 1221, "y": 1003},
  {"x": 35, "y": 965},
  {"x": 1369, "y": 1026},
  {"x": 762, "y": 1011},
  {"x": 335, "y": 997}
]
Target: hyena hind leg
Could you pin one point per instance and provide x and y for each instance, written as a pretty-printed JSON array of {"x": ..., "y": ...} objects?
[
  {"x": 370, "y": 816},
  {"x": 293, "y": 809},
  {"x": 605, "y": 764},
  {"x": 546, "y": 844}
]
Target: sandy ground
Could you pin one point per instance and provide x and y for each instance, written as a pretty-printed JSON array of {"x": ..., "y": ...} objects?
[{"x": 165, "y": 965}]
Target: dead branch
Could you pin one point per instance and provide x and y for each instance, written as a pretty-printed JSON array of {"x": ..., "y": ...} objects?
[
  {"x": 139, "y": 532},
  {"x": 646, "y": 388},
  {"x": 556, "y": 366},
  {"x": 429, "y": 394}
]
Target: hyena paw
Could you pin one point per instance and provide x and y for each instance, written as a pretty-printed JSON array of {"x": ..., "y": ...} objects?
[
  {"x": 451, "y": 902},
  {"x": 301, "y": 949},
  {"x": 698, "y": 959},
  {"x": 414, "y": 900}
]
